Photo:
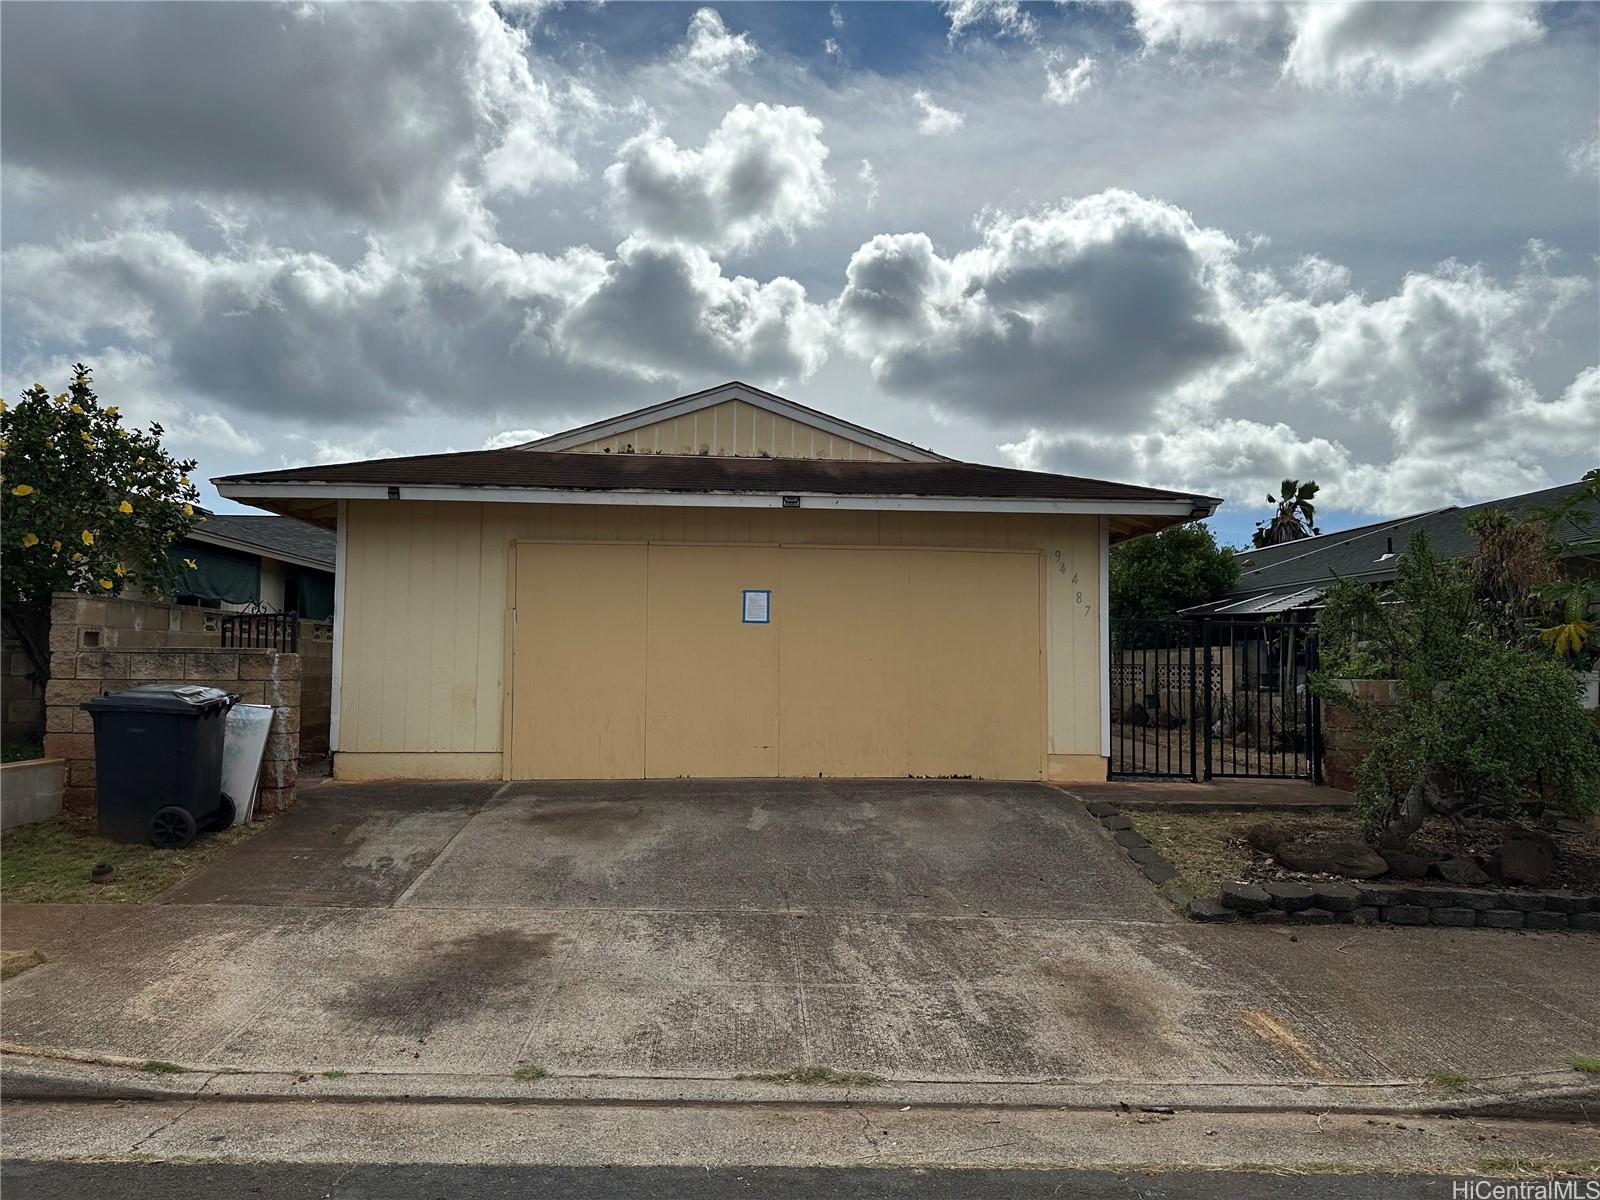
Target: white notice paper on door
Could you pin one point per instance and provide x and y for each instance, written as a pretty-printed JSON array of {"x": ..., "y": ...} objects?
[{"x": 757, "y": 606}]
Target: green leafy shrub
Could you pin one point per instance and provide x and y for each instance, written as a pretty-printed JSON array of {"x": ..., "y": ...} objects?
[{"x": 1483, "y": 724}]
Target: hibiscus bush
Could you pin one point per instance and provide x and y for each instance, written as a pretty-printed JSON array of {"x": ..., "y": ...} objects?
[{"x": 89, "y": 505}]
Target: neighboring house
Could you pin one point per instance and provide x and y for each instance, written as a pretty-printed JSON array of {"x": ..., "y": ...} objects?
[
  {"x": 1294, "y": 575},
  {"x": 725, "y": 584},
  {"x": 262, "y": 564}
]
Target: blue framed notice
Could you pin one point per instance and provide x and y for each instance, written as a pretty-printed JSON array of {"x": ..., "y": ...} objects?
[{"x": 757, "y": 606}]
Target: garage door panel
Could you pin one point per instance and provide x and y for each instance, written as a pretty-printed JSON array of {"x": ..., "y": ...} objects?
[
  {"x": 633, "y": 660},
  {"x": 976, "y": 705},
  {"x": 844, "y": 699},
  {"x": 579, "y": 647},
  {"x": 712, "y": 680}
]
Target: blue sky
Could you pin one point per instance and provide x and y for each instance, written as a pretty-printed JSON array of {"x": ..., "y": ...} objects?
[{"x": 1194, "y": 245}]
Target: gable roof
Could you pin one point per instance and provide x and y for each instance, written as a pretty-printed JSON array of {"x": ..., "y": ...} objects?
[
  {"x": 275, "y": 537},
  {"x": 734, "y": 390},
  {"x": 1369, "y": 551}
]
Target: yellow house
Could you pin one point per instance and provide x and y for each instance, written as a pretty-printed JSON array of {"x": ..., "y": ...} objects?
[{"x": 724, "y": 584}]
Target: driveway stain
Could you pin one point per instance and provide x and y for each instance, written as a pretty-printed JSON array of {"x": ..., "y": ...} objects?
[
  {"x": 1106, "y": 1004},
  {"x": 592, "y": 822},
  {"x": 445, "y": 982}
]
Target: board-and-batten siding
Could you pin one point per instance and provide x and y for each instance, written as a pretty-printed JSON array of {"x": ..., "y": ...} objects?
[
  {"x": 425, "y": 610},
  {"x": 738, "y": 429}
]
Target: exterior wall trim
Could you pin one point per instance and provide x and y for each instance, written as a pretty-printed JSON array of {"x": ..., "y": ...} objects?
[
  {"x": 340, "y": 560},
  {"x": 812, "y": 500},
  {"x": 1105, "y": 638}
]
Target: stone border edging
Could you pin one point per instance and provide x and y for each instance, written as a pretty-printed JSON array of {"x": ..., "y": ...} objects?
[{"x": 1357, "y": 903}]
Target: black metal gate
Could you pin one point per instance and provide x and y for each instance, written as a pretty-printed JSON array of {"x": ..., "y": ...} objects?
[{"x": 1214, "y": 698}]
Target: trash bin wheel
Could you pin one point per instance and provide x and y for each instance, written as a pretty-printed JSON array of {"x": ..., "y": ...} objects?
[
  {"x": 172, "y": 828},
  {"x": 224, "y": 815}
]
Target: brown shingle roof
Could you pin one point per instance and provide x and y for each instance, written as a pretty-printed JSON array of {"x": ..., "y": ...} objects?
[{"x": 567, "y": 471}]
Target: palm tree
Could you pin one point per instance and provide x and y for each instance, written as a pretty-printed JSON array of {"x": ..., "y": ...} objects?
[{"x": 1295, "y": 517}]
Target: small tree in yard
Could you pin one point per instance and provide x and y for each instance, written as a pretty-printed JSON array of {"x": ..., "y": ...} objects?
[
  {"x": 88, "y": 506},
  {"x": 1157, "y": 576},
  {"x": 1484, "y": 719}
]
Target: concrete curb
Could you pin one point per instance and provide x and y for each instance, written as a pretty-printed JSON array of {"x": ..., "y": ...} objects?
[{"x": 34, "y": 1073}]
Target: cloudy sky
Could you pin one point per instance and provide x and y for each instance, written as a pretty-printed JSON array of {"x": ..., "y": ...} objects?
[{"x": 1194, "y": 245}]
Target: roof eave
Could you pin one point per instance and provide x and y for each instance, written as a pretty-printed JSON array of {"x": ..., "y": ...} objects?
[
  {"x": 1178, "y": 508},
  {"x": 199, "y": 534}
]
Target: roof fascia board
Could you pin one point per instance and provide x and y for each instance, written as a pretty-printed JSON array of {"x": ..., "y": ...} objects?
[
  {"x": 212, "y": 539},
  {"x": 812, "y": 500},
  {"x": 777, "y": 405}
]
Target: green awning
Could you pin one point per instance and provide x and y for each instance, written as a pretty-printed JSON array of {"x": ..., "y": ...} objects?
[
  {"x": 312, "y": 593},
  {"x": 218, "y": 574}
]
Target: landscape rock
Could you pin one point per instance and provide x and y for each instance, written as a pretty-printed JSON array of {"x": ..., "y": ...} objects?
[
  {"x": 1159, "y": 872},
  {"x": 1203, "y": 908},
  {"x": 1267, "y": 836},
  {"x": 1455, "y": 916},
  {"x": 1116, "y": 820},
  {"x": 1245, "y": 897},
  {"x": 1100, "y": 808},
  {"x": 1586, "y": 920},
  {"x": 1335, "y": 897},
  {"x": 1407, "y": 864},
  {"x": 1332, "y": 855},
  {"x": 1500, "y": 918},
  {"x": 1527, "y": 856},
  {"x": 1312, "y": 916},
  {"x": 1131, "y": 839},
  {"x": 1407, "y": 914},
  {"x": 1461, "y": 870},
  {"x": 1290, "y": 897}
]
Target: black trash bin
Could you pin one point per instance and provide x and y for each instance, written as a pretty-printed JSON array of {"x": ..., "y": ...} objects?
[{"x": 158, "y": 762}]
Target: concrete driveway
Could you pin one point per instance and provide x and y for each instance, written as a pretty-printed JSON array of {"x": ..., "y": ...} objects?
[
  {"x": 901, "y": 847},
  {"x": 934, "y": 933}
]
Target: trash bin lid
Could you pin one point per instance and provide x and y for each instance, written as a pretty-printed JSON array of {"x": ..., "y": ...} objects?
[{"x": 186, "y": 699}]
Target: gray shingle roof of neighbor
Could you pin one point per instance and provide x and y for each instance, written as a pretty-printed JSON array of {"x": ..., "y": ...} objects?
[
  {"x": 273, "y": 534},
  {"x": 1369, "y": 551},
  {"x": 569, "y": 471}
]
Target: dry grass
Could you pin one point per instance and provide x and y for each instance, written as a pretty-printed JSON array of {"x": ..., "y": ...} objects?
[
  {"x": 1208, "y": 848},
  {"x": 49, "y": 863}
]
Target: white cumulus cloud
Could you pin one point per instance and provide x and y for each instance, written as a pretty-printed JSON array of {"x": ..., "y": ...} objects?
[
  {"x": 763, "y": 169},
  {"x": 936, "y": 120},
  {"x": 710, "y": 48}
]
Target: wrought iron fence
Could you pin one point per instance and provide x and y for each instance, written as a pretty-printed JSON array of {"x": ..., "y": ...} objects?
[
  {"x": 260, "y": 631},
  {"x": 1214, "y": 698}
]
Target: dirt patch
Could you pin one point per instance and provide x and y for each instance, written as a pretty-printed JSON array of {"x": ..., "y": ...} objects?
[
  {"x": 1209, "y": 848},
  {"x": 446, "y": 982}
]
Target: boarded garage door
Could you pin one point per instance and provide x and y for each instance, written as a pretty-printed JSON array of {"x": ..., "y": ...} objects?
[{"x": 654, "y": 661}]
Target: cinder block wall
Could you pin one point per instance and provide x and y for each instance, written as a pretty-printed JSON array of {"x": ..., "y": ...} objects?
[
  {"x": 77, "y": 674},
  {"x": 1342, "y": 747},
  {"x": 21, "y": 695}
]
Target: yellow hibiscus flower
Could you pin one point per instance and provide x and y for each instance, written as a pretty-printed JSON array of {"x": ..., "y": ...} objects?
[
  {"x": 30, "y": 539},
  {"x": 121, "y": 570},
  {"x": 75, "y": 408},
  {"x": 111, "y": 410},
  {"x": 106, "y": 583},
  {"x": 124, "y": 507},
  {"x": 188, "y": 510},
  {"x": 22, "y": 489},
  {"x": 191, "y": 564},
  {"x": 55, "y": 547},
  {"x": 88, "y": 537}
]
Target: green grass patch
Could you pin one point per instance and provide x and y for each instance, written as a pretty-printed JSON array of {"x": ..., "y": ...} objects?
[
  {"x": 1448, "y": 1081},
  {"x": 1587, "y": 1064},
  {"x": 530, "y": 1074},
  {"x": 20, "y": 751},
  {"x": 817, "y": 1077},
  {"x": 1207, "y": 849},
  {"x": 49, "y": 863},
  {"x": 156, "y": 1067}
]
